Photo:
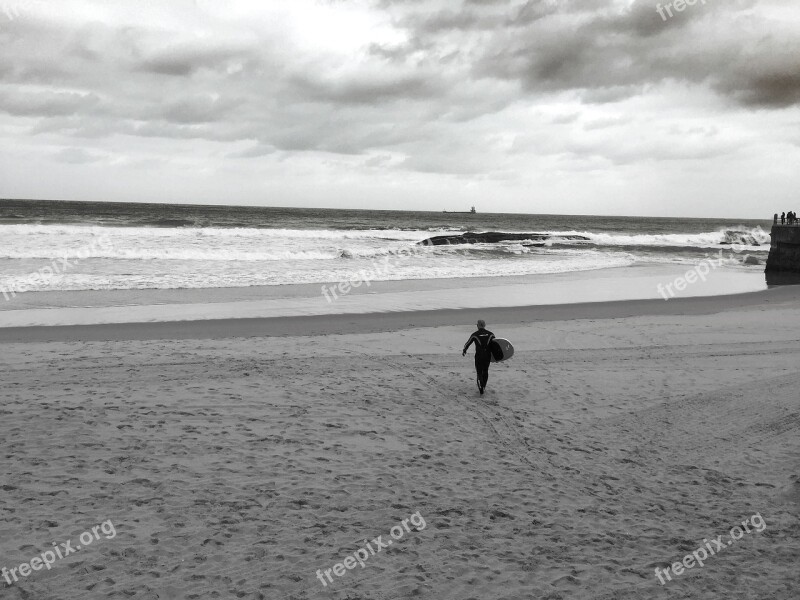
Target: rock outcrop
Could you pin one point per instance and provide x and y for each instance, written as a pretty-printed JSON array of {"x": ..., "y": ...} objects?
[{"x": 492, "y": 237}]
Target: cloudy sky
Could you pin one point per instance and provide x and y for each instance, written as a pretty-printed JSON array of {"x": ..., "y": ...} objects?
[{"x": 560, "y": 106}]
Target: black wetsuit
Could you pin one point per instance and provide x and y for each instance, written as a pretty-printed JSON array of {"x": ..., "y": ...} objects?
[{"x": 483, "y": 357}]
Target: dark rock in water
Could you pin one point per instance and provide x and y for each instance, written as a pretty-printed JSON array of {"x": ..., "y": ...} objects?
[
  {"x": 747, "y": 241},
  {"x": 493, "y": 237},
  {"x": 751, "y": 260}
]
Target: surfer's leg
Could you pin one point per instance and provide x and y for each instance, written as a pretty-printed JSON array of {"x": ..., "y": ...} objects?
[{"x": 483, "y": 372}]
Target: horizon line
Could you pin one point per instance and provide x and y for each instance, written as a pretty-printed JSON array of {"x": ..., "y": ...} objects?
[{"x": 540, "y": 214}]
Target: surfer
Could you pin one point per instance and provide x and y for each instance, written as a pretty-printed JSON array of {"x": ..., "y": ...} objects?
[{"x": 483, "y": 356}]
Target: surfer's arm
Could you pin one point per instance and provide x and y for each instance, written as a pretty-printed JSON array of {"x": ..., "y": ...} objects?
[{"x": 469, "y": 343}]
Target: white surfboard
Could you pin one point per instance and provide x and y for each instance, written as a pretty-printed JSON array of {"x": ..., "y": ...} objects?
[{"x": 506, "y": 347}]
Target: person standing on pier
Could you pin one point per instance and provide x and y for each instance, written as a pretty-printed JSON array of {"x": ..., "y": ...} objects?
[{"x": 783, "y": 218}]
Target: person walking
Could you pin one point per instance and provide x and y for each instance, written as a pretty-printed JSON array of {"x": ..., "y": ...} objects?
[{"x": 481, "y": 338}]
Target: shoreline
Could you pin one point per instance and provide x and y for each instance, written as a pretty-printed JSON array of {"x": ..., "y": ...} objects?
[
  {"x": 219, "y": 295},
  {"x": 640, "y": 282},
  {"x": 315, "y": 325}
]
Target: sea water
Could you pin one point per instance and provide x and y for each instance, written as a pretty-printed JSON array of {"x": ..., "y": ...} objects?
[{"x": 150, "y": 246}]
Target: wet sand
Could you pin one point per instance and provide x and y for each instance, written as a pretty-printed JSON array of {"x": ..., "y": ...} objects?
[{"x": 642, "y": 282}]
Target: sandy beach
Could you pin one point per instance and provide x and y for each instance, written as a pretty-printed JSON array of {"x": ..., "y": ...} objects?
[{"x": 237, "y": 458}]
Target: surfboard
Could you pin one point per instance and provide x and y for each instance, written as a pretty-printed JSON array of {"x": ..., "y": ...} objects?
[{"x": 506, "y": 347}]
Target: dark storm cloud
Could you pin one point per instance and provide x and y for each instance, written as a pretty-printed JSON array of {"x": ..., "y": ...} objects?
[
  {"x": 575, "y": 47},
  {"x": 595, "y": 45},
  {"x": 765, "y": 79}
]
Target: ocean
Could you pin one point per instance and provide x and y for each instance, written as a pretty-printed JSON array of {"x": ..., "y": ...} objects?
[{"x": 123, "y": 246}]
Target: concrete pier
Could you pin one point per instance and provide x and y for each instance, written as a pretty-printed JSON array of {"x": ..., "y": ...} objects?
[{"x": 784, "y": 252}]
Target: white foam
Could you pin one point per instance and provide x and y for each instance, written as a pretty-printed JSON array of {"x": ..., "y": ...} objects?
[{"x": 144, "y": 257}]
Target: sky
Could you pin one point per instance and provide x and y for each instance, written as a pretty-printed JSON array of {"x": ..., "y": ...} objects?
[{"x": 534, "y": 106}]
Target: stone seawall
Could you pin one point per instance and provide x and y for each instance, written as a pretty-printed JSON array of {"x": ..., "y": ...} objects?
[{"x": 784, "y": 252}]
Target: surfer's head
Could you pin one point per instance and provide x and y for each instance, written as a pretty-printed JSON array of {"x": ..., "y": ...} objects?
[{"x": 481, "y": 324}]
